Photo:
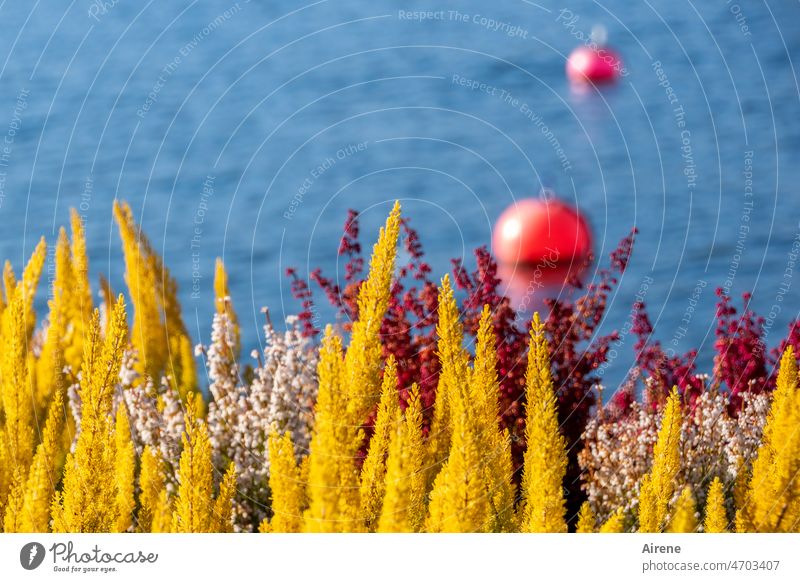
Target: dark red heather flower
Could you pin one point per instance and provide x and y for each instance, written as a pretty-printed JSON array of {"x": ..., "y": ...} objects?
[
  {"x": 662, "y": 369},
  {"x": 741, "y": 361}
]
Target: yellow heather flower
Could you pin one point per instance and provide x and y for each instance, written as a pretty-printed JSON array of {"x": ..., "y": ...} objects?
[
  {"x": 2, "y": 301},
  {"x": 373, "y": 472},
  {"x": 459, "y": 500},
  {"x": 545, "y": 460},
  {"x": 285, "y": 484},
  {"x": 85, "y": 502},
  {"x": 403, "y": 507},
  {"x": 363, "y": 360},
  {"x": 159, "y": 334},
  {"x": 659, "y": 484},
  {"x": 146, "y": 334},
  {"x": 9, "y": 281},
  {"x": 81, "y": 307},
  {"x": 193, "y": 510},
  {"x": 124, "y": 461},
  {"x": 50, "y": 364},
  {"x": 716, "y": 520},
  {"x": 772, "y": 501},
  {"x": 12, "y": 520},
  {"x": 453, "y": 374},
  {"x": 16, "y": 388},
  {"x": 586, "y": 519},
  {"x": 224, "y": 304},
  {"x": 684, "y": 514},
  {"x": 615, "y": 523},
  {"x": 496, "y": 444},
  {"x": 151, "y": 485},
  {"x": 30, "y": 280},
  {"x": 438, "y": 441},
  {"x": 222, "y": 512},
  {"x": 333, "y": 478},
  {"x": 43, "y": 475}
]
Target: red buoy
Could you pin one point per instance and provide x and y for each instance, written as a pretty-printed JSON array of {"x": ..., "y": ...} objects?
[
  {"x": 593, "y": 65},
  {"x": 535, "y": 231}
]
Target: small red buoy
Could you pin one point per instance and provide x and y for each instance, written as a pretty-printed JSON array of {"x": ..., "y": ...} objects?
[
  {"x": 535, "y": 231},
  {"x": 593, "y": 65}
]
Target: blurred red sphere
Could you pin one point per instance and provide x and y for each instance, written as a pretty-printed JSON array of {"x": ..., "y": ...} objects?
[
  {"x": 534, "y": 231},
  {"x": 600, "y": 65}
]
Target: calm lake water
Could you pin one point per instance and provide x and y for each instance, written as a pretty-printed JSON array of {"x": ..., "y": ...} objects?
[{"x": 247, "y": 129}]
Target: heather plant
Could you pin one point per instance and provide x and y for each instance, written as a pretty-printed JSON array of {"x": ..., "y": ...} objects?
[
  {"x": 408, "y": 333},
  {"x": 772, "y": 501},
  {"x": 473, "y": 490},
  {"x": 657, "y": 486},
  {"x": 403, "y": 507},
  {"x": 543, "y": 508},
  {"x": 716, "y": 519},
  {"x": 242, "y": 415},
  {"x": 618, "y": 449},
  {"x": 430, "y": 409}
]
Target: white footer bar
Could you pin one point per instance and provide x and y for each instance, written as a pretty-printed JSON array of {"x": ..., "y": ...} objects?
[{"x": 401, "y": 558}]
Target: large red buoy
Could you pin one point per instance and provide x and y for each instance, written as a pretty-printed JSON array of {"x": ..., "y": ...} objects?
[
  {"x": 535, "y": 231},
  {"x": 593, "y": 65}
]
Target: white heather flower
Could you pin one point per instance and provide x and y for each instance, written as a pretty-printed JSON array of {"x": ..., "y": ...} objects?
[
  {"x": 618, "y": 450},
  {"x": 240, "y": 416},
  {"x": 155, "y": 414}
]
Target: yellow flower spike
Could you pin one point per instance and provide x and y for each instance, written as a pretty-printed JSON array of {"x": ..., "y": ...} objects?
[
  {"x": 9, "y": 281},
  {"x": 16, "y": 388},
  {"x": 44, "y": 472},
  {"x": 84, "y": 503},
  {"x": 333, "y": 478},
  {"x": 716, "y": 520},
  {"x": 193, "y": 506},
  {"x": 586, "y": 519},
  {"x": 484, "y": 390},
  {"x": 454, "y": 373},
  {"x": 2, "y": 303},
  {"x": 106, "y": 300},
  {"x": 684, "y": 514},
  {"x": 615, "y": 523},
  {"x": 373, "y": 471},
  {"x": 222, "y": 513},
  {"x": 80, "y": 261},
  {"x": 151, "y": 484},
  {"x": 146, "y": 333},
  {"x": 224, "y": 304},
  {"x": 285, "y": 484},
  {"x": 81, "y": 294},
  {"x": 124, "y": 461},
  {"x": 363, "y": 361},
  {"x": 460, "y": 500},
  {"x": 50, "y": 365},
  {"x": 30, "y": 281},
  {"x": 403, "y": 507},
  {"x": 13, "y": 517},
  {"x": 659, "y": 484},
  {"x": 159, "y": 334},
  {"x": 545, "y": 460},
  {"x": 186, "y": 372},
  {"x": 438, "y": 441},
  {"x": 772, "y": 501}
]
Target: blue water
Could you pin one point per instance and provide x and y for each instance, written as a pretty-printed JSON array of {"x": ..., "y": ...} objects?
[{"x": 264, "y": 104}]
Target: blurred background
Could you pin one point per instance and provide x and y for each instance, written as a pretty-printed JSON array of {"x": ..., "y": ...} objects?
[{"x": 246, "y": 130}]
